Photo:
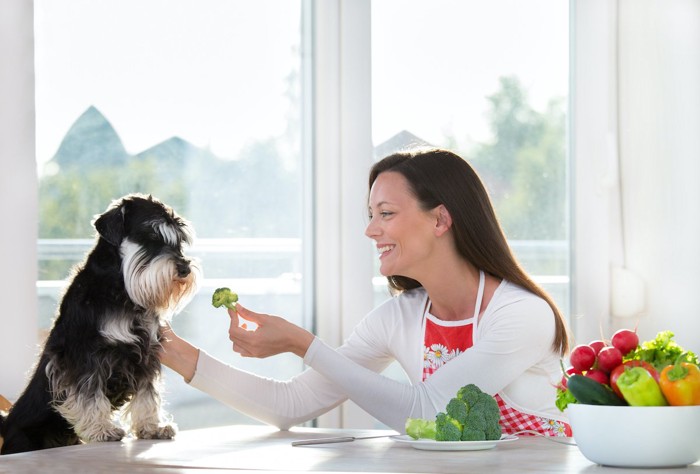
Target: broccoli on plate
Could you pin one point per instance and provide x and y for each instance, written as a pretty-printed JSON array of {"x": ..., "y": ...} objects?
[
  {"x": 472, "y": 415},
  {"x": 418, "y": 428}
]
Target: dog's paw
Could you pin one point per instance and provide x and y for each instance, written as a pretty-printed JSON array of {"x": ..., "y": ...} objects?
[
  {"x": 157, "y": 432},
  {"x": 111, "y": 434}
]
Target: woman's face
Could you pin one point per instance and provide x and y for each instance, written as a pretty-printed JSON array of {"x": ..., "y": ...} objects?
[{"x": 404, "y": 233}]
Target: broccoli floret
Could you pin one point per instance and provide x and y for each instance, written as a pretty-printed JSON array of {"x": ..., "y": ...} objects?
[
  {"x": 224, "y": 297},
  {"x": 494, "y": 432},
  {"x": 469, "y": 394},
  {"x": 458, "y": 410},
  {"x": 473, "y": 434},
  {"x": 418, "y": 428},
  {"x": 484, "y": 415},
  {"x": 477, "y": 419},
  {"x": 447, "y": 428}
]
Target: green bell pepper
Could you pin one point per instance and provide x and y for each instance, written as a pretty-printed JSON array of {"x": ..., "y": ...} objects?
[{"x": 639, "y": 388}]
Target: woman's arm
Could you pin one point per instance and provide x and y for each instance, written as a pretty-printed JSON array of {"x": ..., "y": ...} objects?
[
  {"x": 514, "y": 339},
  {"x": 178, "y": 354},
  {"x": 279, "y": 403},
  {"x": 517, "y": 337}
]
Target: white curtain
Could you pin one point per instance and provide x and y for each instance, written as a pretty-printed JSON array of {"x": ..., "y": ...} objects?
[
  {"x": 659, "y": 155},
  {"x": 18, "y": 197}
]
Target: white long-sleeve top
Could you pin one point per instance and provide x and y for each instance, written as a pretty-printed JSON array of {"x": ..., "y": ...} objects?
[{"x": 512, "y": 355}]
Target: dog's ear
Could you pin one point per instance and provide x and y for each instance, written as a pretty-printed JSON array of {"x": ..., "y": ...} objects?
[{"x": 110, "y": 225}]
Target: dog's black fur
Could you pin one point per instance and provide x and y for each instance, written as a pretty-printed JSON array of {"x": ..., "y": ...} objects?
[{"x": 102, "y": 352}]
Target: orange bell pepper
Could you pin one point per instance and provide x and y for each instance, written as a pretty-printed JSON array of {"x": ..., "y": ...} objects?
[{"x": 680, "y": 383}]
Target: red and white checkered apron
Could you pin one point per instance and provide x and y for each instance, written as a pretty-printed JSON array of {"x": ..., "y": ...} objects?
[{"x": 443, "y": 343}]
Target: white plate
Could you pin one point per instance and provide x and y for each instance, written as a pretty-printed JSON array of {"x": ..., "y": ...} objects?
[{"x": 432, "y": 445}]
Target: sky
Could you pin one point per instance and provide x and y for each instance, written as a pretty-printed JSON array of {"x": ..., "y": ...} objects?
[
  {"x": 163, "y": 68},
  {"x": 434, "y": 62},
  {"x": 214, "y": 71}
]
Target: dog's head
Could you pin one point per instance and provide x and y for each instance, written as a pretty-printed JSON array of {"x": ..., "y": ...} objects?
[{"x": 151, "y": 239}]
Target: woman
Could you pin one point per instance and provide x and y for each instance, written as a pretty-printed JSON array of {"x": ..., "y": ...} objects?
[{"x": 463, "y": 311}]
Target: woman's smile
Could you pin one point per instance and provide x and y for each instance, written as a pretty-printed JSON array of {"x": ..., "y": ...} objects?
[{"x": 384, "y": 250}]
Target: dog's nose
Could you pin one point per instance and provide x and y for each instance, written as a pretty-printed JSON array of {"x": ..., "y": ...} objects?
[{"x": 183, "y": 269}]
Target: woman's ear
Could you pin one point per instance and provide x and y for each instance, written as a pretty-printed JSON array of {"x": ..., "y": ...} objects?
[{"x": 444, "y": 220}]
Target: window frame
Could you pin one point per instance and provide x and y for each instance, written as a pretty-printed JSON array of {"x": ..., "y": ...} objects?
[{"x": 343, "y": 152}]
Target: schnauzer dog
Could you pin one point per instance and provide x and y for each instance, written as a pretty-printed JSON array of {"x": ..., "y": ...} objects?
[{"x": 101, "y": 357}]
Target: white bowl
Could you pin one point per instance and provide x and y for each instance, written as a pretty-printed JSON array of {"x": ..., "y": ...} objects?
[{"x": 637, "y": 436}]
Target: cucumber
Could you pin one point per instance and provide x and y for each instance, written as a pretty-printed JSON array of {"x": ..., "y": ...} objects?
[{"x": 590, "y": 392}]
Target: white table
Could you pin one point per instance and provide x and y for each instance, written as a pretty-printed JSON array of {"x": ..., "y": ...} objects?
[{"x": 244, "y": 448}]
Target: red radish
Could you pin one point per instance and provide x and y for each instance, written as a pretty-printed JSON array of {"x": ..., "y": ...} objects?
[
  {"x": 625, "y": 340},
  {"x": 582, "y": 357},
  {"x": 597, "y": 346},
  {"x": 570, "y": 371},
  {"x": 609, "y": 358},
  {"x": 598, "y": 375},
  {"x": 615, "y": 374}
]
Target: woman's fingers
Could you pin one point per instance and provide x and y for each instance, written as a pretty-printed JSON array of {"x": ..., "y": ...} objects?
[
  {"x": 243, "y": 340},
  {"x": 233, "y": 314},
  {"x": 234, "y": 330},
  {"x": 269, "y": 336},
  {"x": 249, "y": 315}
]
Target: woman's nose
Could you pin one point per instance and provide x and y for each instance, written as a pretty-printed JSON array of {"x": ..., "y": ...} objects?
[{"x": 371, "y": 229}]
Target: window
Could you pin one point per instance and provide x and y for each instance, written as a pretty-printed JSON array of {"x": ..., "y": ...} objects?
[
  {"x": 490, "y": 81},
  {"x": 198, "y": 103},
  {"x": 205, "y": 104}
]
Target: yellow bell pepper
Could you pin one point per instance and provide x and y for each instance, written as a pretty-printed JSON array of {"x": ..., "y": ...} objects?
[{"x": 680, "y": 383}]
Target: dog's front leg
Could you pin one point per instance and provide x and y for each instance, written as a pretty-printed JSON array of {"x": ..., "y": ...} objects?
[
  {"x": 144, "y": 411},
  {"x": 91, "y": 415}
]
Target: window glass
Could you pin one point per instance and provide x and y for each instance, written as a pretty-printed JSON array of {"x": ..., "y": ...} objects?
[
  {"x": 179, "y": 99},
  {"x": 490, "y": 81}
]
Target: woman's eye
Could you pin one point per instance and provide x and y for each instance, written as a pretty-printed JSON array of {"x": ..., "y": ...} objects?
[{"x": 383, "y": 214}]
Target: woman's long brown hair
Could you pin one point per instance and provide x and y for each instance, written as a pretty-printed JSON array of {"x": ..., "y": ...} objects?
[{"x": 438, "y": 176}]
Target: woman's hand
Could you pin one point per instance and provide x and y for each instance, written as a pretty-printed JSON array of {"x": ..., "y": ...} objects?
[
  {"x": 178, "y": 354},
  {"x": 273, "y": 335}
]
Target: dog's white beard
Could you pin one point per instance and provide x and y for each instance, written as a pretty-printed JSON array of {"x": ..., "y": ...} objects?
[{"x": 155, "y": 284}]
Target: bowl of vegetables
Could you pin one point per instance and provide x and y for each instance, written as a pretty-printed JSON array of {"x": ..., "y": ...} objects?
[{"x": 633, "y": 405}]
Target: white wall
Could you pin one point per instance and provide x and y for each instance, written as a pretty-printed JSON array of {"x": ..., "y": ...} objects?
[
  {"x": 659, "y": 112},
  {"x": 18, "y": 197},
  {"x": 636, "y": 144}
]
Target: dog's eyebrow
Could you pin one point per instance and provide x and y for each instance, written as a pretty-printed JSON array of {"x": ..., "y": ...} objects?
[{"x": 168, "y": 232}]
